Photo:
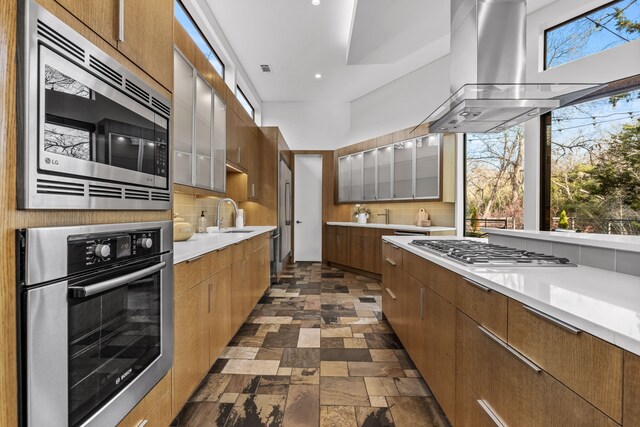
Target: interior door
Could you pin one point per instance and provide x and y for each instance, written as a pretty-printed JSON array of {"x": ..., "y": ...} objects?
[{"x": 308, "y": 208}]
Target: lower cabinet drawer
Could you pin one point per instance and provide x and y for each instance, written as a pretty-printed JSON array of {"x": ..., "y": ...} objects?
[
  {"x": 471, "y": 411},
  {"x": 485, "y": 306},
  {"x": 631, "y": 415},
  {"x": 391, "y": 254},
  {"x": 219, "y": 260},
  {"x": 518, "y": 391},
  {"x": 588, "y": 365}
]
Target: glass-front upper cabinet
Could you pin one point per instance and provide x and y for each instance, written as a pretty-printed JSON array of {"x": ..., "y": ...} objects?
[
  {"x": 428, "y": 167},
  {"x": 356, "y": 177},
  {"x": 182, "y": 120},
  {"x": 369, "y": 175},
  {"x": 204, "y": 119},
  {"x": 385, "y": 163},
  {"x": 344, "y": 179},
  {"x": 219, "y": 143},
  {"x": 200, "y": 135},
  {"x": 403, "y": 170}
]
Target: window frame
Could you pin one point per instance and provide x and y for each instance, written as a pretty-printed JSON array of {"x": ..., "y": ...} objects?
[
  {"x": 616, "y": 87},
  {"x": 179, "y": 4},
  {"x": 568, "y": 21},
  {"x": 240, "y": 93}
]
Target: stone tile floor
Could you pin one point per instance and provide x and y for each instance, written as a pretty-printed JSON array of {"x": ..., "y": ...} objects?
[{"x": 315, "y": 351}]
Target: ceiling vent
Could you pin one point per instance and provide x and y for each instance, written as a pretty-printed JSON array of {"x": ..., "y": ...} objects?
[{"x": 266, "y": 68}]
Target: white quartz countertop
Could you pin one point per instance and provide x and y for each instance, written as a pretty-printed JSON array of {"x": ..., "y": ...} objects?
[
  {"x": 201, "y": 243},
  {"x": 399, "y": 227},
  {"x": 599, "y": 302},
  {"x": 610, "y": 241}
]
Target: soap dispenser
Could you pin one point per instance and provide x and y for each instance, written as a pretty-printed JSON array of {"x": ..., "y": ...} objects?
[{"x": 202, "y": 223}]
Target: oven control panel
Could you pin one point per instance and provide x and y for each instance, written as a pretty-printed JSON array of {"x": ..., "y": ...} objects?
[{"x": 85, "y": 252}]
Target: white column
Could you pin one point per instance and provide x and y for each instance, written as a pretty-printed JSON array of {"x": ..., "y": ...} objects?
[
  {"x": 532, "y": 174},
  {"x": 460, "y": 185}
]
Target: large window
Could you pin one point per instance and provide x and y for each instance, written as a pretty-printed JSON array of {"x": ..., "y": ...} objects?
[
  {"x": 494, "y": 180},
  {"x": 592, "y": 166},
  {"x": 245, "y": 102},
  {"x": 615, "y": 23},
  {"x": 190, "y": 27}
]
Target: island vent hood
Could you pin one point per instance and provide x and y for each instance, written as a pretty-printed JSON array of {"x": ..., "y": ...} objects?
[{"x": 488, "y": 55}]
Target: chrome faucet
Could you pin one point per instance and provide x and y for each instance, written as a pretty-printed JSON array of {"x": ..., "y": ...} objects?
[
  {"x": 385, "y": 215},
  {"x": 219, "y": 219}
]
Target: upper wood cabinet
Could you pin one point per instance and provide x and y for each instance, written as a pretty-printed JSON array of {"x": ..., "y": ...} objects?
[
  {"x": 200, "y": 129},
  {"x": 405, "y": 170},
  {"x": 142, "y": 30},
  {"x": 239, "y": 141}
]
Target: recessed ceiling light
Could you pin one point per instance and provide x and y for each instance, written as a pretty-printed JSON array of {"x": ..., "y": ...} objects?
[
  {"x": 318, "y": 76},
  {"x": 315, "y": 2}
]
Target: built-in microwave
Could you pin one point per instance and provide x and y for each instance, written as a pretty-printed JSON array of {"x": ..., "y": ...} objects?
[{"x": 93, "y": 135}]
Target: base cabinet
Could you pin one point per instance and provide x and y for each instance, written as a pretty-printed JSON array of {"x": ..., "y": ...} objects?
[
  {"x": 214, "y": 294},
  {"x": 491, "y": 361}
]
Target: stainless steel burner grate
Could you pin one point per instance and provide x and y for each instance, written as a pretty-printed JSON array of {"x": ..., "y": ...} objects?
[{"x": 472, "y": 252}]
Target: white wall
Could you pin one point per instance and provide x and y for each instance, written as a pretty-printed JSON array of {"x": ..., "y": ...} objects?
[
  {"x": 400, "y": 104},
  {"x": 309, "y": 125},
  {"x": 326, "y": 126}
]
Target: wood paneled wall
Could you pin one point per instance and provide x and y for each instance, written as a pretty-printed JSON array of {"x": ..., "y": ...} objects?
[{"x": 11, "y": 218}]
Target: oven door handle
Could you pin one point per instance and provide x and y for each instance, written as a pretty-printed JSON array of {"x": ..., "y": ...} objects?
[{"x": 89, "y": 290}]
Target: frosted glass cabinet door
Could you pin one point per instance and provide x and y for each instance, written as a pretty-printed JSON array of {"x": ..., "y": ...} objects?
[
  {"x": 204, "y": 134},
  {"x": 219, "y": 143},
  {"x": 428, "y": 167},
  {"x": 182, "y": 104},
  {"x": 344, "y": 179},
  {"x": 369, "y": 174},
  {"x": 384, "y": 172},
  {"x": 403, "y": 170},
  {"x": 356, "y": 177},
  {"x": 182, "y": 120}
]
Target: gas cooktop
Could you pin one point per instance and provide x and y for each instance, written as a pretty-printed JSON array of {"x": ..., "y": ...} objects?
[{"x": 471, "y": 252}]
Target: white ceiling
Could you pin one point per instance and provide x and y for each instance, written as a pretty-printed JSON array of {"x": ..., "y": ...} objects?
[{"x": 389, "y": 39}]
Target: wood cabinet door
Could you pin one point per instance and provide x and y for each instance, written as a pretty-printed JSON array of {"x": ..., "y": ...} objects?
[
  {"x": 238, "y": 293},
  {"x": 233, "y": 136},
  {"x": 99, "y": 15},
  {"x": 516, "y": 390},
  {"x": 330, "y": 237},
  {"x": 471, "y": 411},
  {"x": 436, "y": 362},
  {"x": 631, "y": 415},
  {"x": 343, "y": 246},
  {"x": 411, "y": 318},
  {"x": 220, "y": 327},
  {"x": 191, "y": 343},
  {"x": 357, "y": 250},
  {"x": 588, "y": 365},
  {"x": 148, "y": 37}
]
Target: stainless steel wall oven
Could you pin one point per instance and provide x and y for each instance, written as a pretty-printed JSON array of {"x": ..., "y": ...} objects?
[
  {"x": 94, "y": 136},
  {"x": 96, "y": 320}
]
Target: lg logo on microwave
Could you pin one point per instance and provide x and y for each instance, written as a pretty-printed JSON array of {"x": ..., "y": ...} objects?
[{"x": 49, "y": 161}]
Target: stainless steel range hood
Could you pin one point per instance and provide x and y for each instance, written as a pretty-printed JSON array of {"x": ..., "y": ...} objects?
[{"x": 488, "y": 40}]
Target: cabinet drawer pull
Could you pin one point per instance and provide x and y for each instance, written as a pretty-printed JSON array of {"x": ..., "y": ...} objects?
[
  {"x": 384, "y": 242},
  {"x": 390, "y": 293},
  {"x": 121, "y": 21},
  {"x": 491, "y": 413},
  {"x": 194, "y": 259},
  {"x": 477, "y": 285},
  {"x": 513, "y": 352},
  {"x": 143, "y": 423},
  {"x": 559, "y": 323},
  {"x": 421, "y": 303},
  {"x": 390, "y": 261},
  {"x": 394, "y": 246}
]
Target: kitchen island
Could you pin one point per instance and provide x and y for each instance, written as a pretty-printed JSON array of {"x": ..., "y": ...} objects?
[{"x": 528, "y": 345}]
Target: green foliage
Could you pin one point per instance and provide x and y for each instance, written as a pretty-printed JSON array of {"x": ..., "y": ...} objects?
[
  {"x": 617, "y": 170},
  {"x": 564, "y": 222}
]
